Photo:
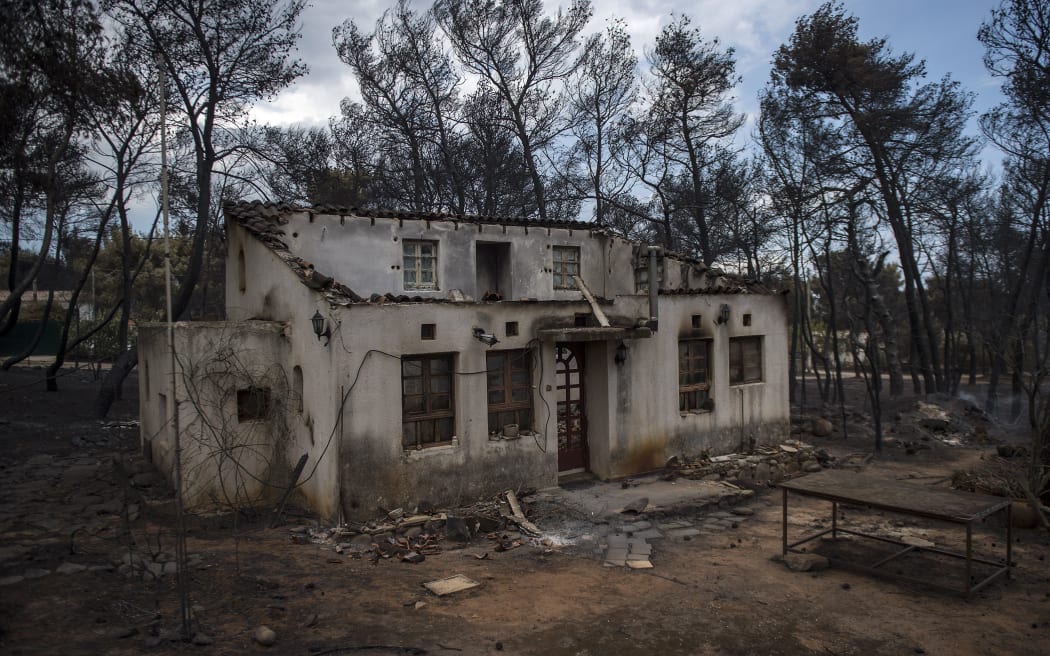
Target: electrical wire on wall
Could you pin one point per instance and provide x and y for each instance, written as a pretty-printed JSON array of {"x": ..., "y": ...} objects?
[{"x": 536, "y": 347}]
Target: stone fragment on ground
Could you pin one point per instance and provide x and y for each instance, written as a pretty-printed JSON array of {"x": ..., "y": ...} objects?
[
  {"x": 70, "y": 568},
  {"x": 264, "y": 635},
  {"x": 806, "y": 562}
]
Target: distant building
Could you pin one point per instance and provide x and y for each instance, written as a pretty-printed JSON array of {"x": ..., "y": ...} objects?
[{"x": 457, "y": 357}]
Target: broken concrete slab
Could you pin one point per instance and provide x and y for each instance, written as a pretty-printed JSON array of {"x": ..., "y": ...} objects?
[
  {"x": 636, "y": 526},
  {"x": 668, "y": 526},
  {"x": 639, "y": 564},
  {"x": 683, "y": 533},
  {"x": 650, "y": 534},
  {"x": 450, "y": 585}
]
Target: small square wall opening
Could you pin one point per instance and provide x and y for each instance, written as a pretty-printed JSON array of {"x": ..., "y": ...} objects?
[
  {"x": 511, "y": 329},
  {"x": 581, "y": 320},
  {"x": 427, "y": 331},
  {"x": 747, "y": 319},
  {"x": 696, "y": 320},
  {"x": 253, "y": 403}
]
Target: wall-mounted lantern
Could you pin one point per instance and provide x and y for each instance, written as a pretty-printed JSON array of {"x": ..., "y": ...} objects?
[
  {"x": 320, "y": 329},
  {"x": 621, "y": 354},
  {"x": 723, "y": 313}
]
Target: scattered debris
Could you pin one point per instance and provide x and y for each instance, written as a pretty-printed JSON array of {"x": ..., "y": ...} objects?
[
  {"x": 451, "y": 584},
  {"x": 763, "y": 464}
]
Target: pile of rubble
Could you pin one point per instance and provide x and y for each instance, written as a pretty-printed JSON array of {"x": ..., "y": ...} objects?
[
  {"x": 765, "y": 464},
  {"x": 953, "y": 422},
  {"x": 412, "y": 537}
]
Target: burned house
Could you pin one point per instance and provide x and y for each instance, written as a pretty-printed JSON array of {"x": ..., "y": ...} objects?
[{"x": 424, "y": 358}]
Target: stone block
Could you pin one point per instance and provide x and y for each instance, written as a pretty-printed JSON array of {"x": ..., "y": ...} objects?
[{"x": 806, "y": 562}]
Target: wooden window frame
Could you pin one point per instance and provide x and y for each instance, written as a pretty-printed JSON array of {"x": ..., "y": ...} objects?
[
  {"x": 414, "y": 260},
  {"x": 564, "y": 269},
  {"x": 694, "y": 396},
  {"x": 430, "y": 416},
  {"x": 740, "y": 372},
  {"x": 505, "y": 388}
]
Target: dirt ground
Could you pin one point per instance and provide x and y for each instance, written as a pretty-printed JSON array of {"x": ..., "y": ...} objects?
[{"x": 67, "y": 519}]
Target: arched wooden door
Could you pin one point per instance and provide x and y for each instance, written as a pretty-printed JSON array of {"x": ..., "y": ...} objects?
[{"x": 572, "y": 420}]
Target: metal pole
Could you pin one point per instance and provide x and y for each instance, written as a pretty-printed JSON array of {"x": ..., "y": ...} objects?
[
  {"x": 784, "y": 533},
  {"x": 834, "y": 520},
  {"x": 969, "y": 555},
  {"x": 180, "y": 529},
  {"x": 1009, "y": 536}
]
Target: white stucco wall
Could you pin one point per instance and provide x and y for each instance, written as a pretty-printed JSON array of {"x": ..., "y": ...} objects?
[
  {"x": 650, "y": 428},
  {"x": 227, "y": 461},
  {"x": 351, "y": 422}
]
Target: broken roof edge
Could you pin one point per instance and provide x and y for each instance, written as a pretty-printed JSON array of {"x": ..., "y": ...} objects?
[
  {"x": 263, "y": 220},
  {"x": 245, "y": 209}
]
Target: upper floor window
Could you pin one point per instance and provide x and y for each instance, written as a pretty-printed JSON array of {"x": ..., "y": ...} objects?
[
  {"x": 420, "y": 264},
  {"x": 694, "y": 375},
  {"x": 566, "y": 265},
  {"x": 641, "y": 275},
  {"x": 745, "y": 360}
]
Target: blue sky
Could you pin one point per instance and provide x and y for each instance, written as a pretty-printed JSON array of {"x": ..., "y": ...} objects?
[{"x": 943, "y": 32}]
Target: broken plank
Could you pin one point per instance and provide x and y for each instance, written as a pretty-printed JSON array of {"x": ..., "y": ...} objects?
[
  {"x": 603, "y": 320},
  {"x": 518, "y": 517}
]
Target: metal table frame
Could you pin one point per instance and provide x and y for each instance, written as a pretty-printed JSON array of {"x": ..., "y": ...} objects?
[{"x": 954, "y": 506}]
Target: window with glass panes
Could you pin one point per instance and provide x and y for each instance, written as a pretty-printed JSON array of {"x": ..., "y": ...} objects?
[
  {"x": 566, "y": 265},
  {"x": 509, "y": 389},
  {"x": 745, "y": 360},
  {"x": 694, "y": 374},
  {"x": 420, "y": 264},
  {"x": 427, "y": 413},
  {"x": 641, "y": 275}
]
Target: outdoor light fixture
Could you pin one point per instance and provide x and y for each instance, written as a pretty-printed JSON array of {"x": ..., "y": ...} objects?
[
  {"x": 320, "y": 329},
  {"x": 723, "y": 314},
  {"x": 484, "y": 337},
  {"x": 621, "y": 354}
]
